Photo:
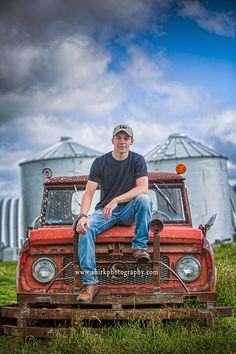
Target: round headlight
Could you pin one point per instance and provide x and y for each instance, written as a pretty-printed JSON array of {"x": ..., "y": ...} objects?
[
  {"x": 188, "y": 268},
  {"x": 44, "y": 270}
]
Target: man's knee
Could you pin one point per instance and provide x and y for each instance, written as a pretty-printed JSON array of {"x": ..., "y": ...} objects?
[
  {"x": 143, "y": 200},
  {"x": 90, "y": 235}
]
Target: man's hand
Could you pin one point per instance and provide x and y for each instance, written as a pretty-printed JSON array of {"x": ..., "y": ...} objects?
[
  {"x": 81, "y": 225},
  {"x": 107, "y": 211}
]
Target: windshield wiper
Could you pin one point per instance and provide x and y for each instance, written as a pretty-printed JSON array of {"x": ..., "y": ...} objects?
[
  {"x": 76, "y": 190},
  {"x": 165, "y": 197}
]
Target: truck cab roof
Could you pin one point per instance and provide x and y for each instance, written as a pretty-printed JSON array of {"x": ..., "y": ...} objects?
[{"x": 152, "y": 177}]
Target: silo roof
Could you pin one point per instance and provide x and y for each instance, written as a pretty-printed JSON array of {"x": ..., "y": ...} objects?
[
  {"x": 180, "y": 146},
  {"x": 65, "y": 148}
]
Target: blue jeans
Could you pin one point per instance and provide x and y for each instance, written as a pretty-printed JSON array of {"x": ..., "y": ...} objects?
[{"x": 138, "y": 210}]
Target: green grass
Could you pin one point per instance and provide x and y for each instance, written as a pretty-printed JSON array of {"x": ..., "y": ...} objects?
[
  {"x": 135, "y": 337},
  {"x": 225, "y": 256},
  {"x": 8, "y": 282}
]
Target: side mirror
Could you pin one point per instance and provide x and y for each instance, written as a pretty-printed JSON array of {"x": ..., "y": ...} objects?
[
  {"x": 210, "y": 222},
  {"x": 35, "y": 223},
  {"x": 208, "y": 225}
]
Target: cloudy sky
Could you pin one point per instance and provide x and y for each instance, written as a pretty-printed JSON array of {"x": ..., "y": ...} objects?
[{"x": 77, "y": 68}]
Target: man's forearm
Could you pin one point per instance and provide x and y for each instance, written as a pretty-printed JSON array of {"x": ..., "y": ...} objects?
[
  {"x": 126, "y": 197},
  {"x": 85, "y": 203}
]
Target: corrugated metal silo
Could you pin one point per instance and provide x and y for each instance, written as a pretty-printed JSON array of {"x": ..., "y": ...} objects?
[
  {"x": 10, "y": 228},
  {"x": 233, "y": 207},
  {"x": 65, "y": 158},
  {"x": 206, "y": 181}
]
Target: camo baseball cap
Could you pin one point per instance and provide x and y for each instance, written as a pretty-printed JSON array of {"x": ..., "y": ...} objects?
[{"x": 123, "y": 128}]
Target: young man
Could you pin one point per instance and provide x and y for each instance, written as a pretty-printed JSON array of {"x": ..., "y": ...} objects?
[{"x": 122, "y": 175}]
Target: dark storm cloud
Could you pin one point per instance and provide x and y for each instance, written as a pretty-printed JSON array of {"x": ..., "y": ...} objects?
[
  {"x": 32, "y": 31},
  {"x": 37, "y": 19}
]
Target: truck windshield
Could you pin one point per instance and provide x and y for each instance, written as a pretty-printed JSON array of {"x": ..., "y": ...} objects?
[
  {"x": 168, "y": 203},
  {"x": 63, "y": 204}
]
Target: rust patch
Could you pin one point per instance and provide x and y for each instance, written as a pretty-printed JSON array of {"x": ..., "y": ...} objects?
[{"x": 30, "y": 320}]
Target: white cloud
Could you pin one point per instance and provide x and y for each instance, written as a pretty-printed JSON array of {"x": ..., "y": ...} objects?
[
  {"x": 16, "y": 64},
  {"x": 219, "y": 124},
  {"x": 144, "y": 70},
  {"x": 178, "y": 98},
  {"x": 88, "y": 106},
  {"x": 73, "y": 62},
  {"x": 69, "y": 76},
  {"x": 220, "y": 23},
  {"x": 148, "y": 134},
  {"x": 145, "y": 82},
  {"x": 92, "y": 92}
]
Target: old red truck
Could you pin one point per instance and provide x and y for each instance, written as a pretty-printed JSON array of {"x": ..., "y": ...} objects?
[{"x": 178, "y": 283}]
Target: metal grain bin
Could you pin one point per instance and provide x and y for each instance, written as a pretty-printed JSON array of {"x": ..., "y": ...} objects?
[
  {"x": 10, "y": 228},
  {"x": 206, "y": 181},
  {"x": 65, "y": 158}
]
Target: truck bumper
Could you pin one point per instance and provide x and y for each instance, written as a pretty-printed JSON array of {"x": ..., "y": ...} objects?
[{"x": 39, "y": 315}]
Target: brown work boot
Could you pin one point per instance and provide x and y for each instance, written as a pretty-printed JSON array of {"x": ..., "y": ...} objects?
[
  {"x": 141, "y": 256},
  {"x": 87, "y": 294}
]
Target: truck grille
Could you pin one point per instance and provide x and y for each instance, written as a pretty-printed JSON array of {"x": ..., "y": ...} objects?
[{"x": 121, "y": 271}]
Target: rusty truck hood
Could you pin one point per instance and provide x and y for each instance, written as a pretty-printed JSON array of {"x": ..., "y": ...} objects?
[{"x": 64, "y": 235}]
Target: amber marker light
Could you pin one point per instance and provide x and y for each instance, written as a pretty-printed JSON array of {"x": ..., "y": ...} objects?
[{"x": 180, "y": 168}]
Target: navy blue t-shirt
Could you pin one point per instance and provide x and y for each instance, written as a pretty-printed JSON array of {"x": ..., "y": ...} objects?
[{"x": 116, "y": 177}]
